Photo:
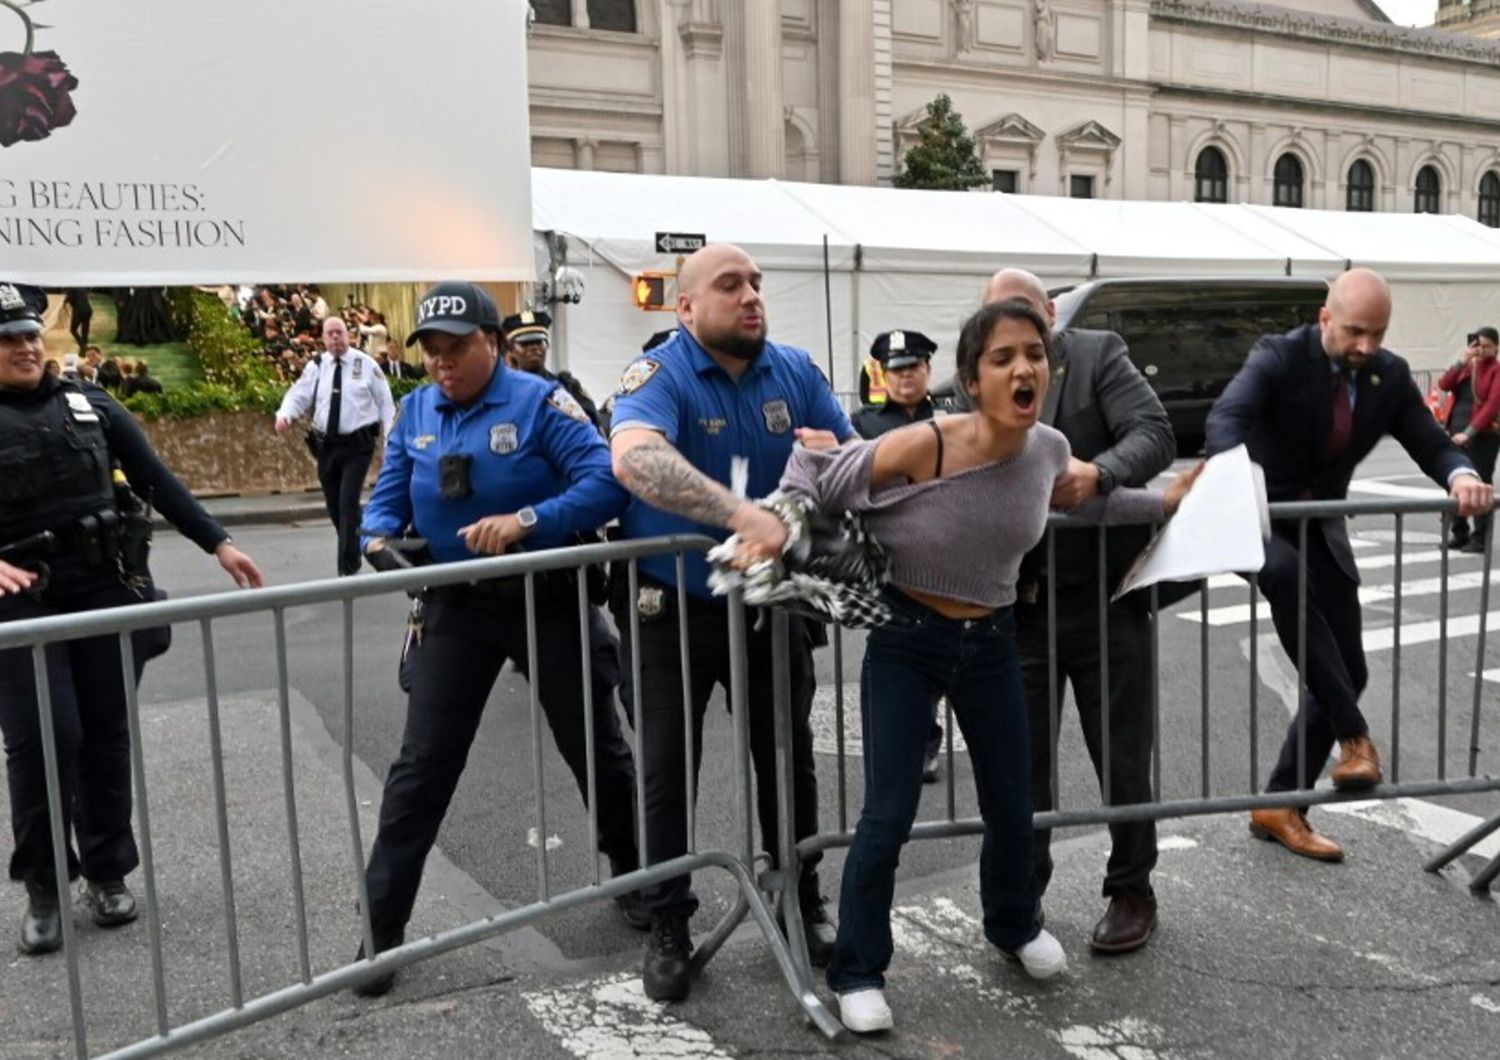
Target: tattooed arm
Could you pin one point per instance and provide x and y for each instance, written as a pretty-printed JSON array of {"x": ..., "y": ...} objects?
[{"x": 649, "y": 467}]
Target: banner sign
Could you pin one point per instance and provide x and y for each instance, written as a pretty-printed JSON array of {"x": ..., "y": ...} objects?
[{"x": 149, "y": 142}]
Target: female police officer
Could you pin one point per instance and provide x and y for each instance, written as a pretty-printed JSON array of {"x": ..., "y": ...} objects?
[
  {"x": 488, "y": 459},
  {"x": 58, "y": 506}
]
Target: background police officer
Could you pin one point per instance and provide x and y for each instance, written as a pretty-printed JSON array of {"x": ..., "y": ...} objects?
[
  {"x": 528, "y": 340},
  {"x": 61, "y": 535},
  {"x": 488, "y": 461},
  {"x": 905, "y": 362},
  {"x": 351, "y": 406},
  {"x": 716, "y": 391}
]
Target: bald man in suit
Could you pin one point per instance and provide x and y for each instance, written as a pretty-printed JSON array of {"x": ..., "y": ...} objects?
[{"x": 1310, "y": 405}]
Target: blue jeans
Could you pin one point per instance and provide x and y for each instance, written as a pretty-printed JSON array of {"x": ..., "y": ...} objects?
[{"x": 906, "y": 665}]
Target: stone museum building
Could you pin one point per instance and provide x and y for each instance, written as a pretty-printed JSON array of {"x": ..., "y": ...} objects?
[{"x": 1317, "y": 103}]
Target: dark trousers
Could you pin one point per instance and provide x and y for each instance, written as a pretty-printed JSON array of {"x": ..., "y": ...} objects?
[
  {"x": 1483, "y": 450},
  {"x": 466, "y": 638},
  {"x": 664, "y": 746},
  {"x": 342, "y": 466},
  {"x": 974, "y": 663},
  {"x": 1132, "y": 853},
  {"x": 79, "y": 329},
  {"x": 1336, "y": 674},
  {"x": 93, "y": 742}
]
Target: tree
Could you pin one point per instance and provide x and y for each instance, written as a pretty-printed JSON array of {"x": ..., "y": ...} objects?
[{"x": 944, "y": 158}]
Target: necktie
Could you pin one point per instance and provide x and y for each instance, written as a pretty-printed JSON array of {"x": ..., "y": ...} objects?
[
  {"x": 335, "y": 398},
  {"x": 1343, "y": 420}
]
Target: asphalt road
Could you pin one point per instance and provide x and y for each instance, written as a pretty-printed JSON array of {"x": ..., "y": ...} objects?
[{"x": 486, "y": 832}]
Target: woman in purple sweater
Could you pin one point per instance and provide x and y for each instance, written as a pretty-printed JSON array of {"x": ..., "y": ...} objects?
[{"x": 956, "y": 502}]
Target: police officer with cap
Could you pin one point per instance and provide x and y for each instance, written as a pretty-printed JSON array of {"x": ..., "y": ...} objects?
[
  {"x": 527, "y": 343},
  {"x": 487, "y": 461},
  {"x": 67, "y": 545},
  {"x": 905, "y": 358},
  {"x": 905, "y": 361}
]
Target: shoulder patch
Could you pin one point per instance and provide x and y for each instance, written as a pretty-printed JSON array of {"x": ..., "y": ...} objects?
[
  {"x": 568, "y": 405},
  {"x": 638, "y": 375}
]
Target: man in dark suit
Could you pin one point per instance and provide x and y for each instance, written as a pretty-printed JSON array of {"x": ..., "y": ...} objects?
[
  {"x": 1120, "y": 436},
  {"x": 1310, "y": 405}
]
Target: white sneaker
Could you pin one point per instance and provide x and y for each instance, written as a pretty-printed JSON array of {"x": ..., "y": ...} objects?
[
  {"x": 865, "y": 1011},
  {"x": 1042, "y": 957}
]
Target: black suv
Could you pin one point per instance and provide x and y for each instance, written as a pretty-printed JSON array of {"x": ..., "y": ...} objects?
[{"x": 1189, "y": 336}]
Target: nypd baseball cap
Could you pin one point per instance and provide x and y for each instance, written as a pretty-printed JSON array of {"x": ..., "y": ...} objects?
[
  {"x": 455, "y": 308},
  {"x": 21, "y": 308}
]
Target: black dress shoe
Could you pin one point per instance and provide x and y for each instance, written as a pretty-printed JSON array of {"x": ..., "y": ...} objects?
[
  {"x": 1474, "y": 546},
  {"x": 110, "y": 902},
  {"x": 667, "y": 972},
  {"x": 1457, "y": 541},
  {"x": 1126, "y": 925},
  {"x": 41, "y": 927},
  {"x": 384, "y": 940}
]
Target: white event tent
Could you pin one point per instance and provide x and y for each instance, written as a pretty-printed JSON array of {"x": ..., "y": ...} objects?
[{"x": 917, "y": 259}]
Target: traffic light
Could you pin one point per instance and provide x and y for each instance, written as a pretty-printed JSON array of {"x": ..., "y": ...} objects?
[{"x": 650, "y": 290}]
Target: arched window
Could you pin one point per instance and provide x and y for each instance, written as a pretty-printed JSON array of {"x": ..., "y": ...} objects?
[
  {"x": 1211, "y": 176},
  {"x": 1489, "y": 200},
  {"x": 1429, "y": 190},
  {"x": 618, "y": 15},
  {"x": 1360, "y": 196},
  {"x": 1288, "y": 181}
]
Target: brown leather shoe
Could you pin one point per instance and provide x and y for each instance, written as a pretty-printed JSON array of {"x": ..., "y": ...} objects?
[
  {"x": 1358, "y": 767},
  {"x": 1126, "y": 925},
  {"x": 1288, "y": 826}
]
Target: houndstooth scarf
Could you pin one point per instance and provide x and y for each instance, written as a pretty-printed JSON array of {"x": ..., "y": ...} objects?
[{"x": 832, "y": 568}]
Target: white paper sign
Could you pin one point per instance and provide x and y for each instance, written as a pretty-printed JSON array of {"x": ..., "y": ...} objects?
[
  {"x": 1221, "y": 527},
  {"x": 209, "y": 141}
]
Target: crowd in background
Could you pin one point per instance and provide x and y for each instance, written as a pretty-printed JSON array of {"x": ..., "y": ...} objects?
[{"x": 287, "y": 319}]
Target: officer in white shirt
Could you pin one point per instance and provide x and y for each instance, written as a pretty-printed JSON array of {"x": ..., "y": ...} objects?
[{"x": 351, "y": 408}]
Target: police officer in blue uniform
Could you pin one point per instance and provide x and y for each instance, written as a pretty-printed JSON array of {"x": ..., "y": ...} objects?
[
  {"x": 485, "y": 461},
  {"x": 70, "y": 541},
  {"x": 715, "y": 391}
]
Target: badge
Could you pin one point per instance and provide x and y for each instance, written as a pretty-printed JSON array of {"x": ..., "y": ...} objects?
[
  {"x": 504, "y": 437},
  {"x": 422, "y": 441},
  {"x": 568, "y": 405},
  {"x": 78, "y": 404},
  {"x": 359, "y": 368},
  {"x": 638, "y": 375},
  {"x": 778, "y": 416},
  {"x": 649, "y": 601}
]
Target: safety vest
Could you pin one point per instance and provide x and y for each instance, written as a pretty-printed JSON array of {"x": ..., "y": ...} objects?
[{"x": 874, "y": 373}]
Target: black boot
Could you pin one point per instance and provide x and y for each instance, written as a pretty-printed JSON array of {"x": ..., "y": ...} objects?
[
  {"x": 384, "y": 940},
  {"x": 110, "y": 902},
  {"x": 41, "y": 928},
  {"x": 667, "y": 973},
  {"x": 629, "y": 904}
]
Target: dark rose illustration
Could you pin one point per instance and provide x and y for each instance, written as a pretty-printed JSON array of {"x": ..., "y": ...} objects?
[
  {"x": 34, "y": 96},
  {"x": 35, "y": 88}
]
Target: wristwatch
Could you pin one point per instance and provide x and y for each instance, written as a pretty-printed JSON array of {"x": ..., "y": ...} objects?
[
  {"x": 527, "y": 518},
  {"x": 1106, "y": 479}
]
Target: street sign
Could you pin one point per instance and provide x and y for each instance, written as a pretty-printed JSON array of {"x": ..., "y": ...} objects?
[{"x": 680, "y": 242}]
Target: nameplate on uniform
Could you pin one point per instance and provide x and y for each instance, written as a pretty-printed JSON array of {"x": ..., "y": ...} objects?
[
  {"x": 504, "y": 438},
  {"x": 78, "y": 404},
  {"x": 778, "y": 416}
]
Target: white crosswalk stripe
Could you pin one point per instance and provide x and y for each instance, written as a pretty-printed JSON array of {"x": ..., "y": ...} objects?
[{"x": 1233, "y": 614}]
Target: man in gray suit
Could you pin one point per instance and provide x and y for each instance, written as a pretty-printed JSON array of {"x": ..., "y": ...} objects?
[{"x": 1120, "y": 437}]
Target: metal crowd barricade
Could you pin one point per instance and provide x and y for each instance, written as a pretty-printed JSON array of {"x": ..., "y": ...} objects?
[
  {"x": 1301, "y": 514},
  {"x": 737, "y": 859}
]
